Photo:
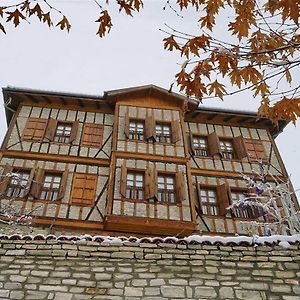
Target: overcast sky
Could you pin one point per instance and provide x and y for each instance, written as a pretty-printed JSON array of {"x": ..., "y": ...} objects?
[{"x": 32, "y": 56}]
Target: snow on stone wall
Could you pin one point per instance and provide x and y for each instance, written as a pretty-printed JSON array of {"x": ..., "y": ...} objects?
[{"x": 154, "y": 269}]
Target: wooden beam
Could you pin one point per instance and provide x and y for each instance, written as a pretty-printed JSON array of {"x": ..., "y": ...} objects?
[
  {"x": 68, "y": 223},
  {"x": 47, "y": 99},
  {"x": 80, "y": 102},
  {"x": 62, "y": 99},
  {"x": 148, "y": 226},
  {"x": 228, "y": 118},
  {"x": 212, "y": 116},
  {"x": 236, "y": 175},
  {"x": 32, "y": 98},
  {"x": 152, "y": 157},
  {"x": 57, "y": 158}
]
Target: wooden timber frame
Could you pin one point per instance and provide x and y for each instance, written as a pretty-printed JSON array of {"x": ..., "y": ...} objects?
[{"x": 147, "y": 97}]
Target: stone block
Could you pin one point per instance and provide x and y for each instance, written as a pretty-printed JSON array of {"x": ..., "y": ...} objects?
[{"x": 173, "y": 291}]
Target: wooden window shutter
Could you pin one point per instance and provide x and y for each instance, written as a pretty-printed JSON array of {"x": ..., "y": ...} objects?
[
  {"x": 63, "y": 183},
  {"x": 5, "y": 180},
  {"x": 84, "y": 189},
  {"x": 239, "y": 147},
  {"x": 123, "y": 180},
  {"x": 92, "y": 135},
  {"x": 223, "y": 198},
  {"x": 34, "y": 129},
  {"x": 28, "y": 186},
  {"x": 51, "y": 129},
  {"x": 213, "y": 144},
  {"x": 150, "y": 127},
  {"x": 198, "y": 200},
  {"x": 175, "y": 127},
  {"x": 180, "y": 186},
  {"x": 37, "y": 183},
  {"x": 191, "y": 143},
  {"x": 126, "y": 125},
  {"x": 74, "y": 131},
  {"x": 151, "y": 183}
]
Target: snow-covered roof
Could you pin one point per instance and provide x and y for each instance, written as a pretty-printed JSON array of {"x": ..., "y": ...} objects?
[{"x": 281, "y": 240}]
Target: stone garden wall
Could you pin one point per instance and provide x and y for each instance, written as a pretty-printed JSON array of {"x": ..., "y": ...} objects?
[{"x": 64, "y": 269}]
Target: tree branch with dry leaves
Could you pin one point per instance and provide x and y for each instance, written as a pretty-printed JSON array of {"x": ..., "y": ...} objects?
[{"x": 260, "y": 52}]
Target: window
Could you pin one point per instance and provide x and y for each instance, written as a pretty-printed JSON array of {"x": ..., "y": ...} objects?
[
  {"x": 239, "y": 212},
  {"x": 136, "y": 130},
  {"x": 50, "y": 187},
  {"x": 92, "y": 135},
  {"x": 35, "y": 129},
  {"x": 208, "y": 201},
  {"x": 166, "y": 188},
  {"x": 84, "y": 189},
  {"x": 255, "y": 150},
  {"x": 163, "y": 132},
  {"x": 226, "y": 149},
  {"x": 135, "y": 186},
  {"x": 63, "y": 132},
  {"x": 18, "y": 184},
  {"x": 200, "y": 146}
]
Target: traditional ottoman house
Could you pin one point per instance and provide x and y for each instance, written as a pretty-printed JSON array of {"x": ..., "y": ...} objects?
[{"x": 136, "y": 161}]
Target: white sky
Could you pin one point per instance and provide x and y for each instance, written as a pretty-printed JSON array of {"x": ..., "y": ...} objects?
[{"x": 32, "y": 56}]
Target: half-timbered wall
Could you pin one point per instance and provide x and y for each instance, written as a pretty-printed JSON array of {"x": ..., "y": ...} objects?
[
  {"x": 234, "y": 165},
  {"x": 149, "y": 147},
  {"x": 179, "y": 211},
  {"x": 17, "y": 142},
  {"x": 105, "y": 137},
  {"x": 62, "y": 208}
]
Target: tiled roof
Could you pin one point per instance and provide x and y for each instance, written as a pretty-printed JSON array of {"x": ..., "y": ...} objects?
[{"x": 191, "y": 240}]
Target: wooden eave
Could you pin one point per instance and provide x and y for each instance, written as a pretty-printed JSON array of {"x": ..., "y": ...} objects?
[
  {"x": 234, "y": 118},
  {"x": 136, "y": 94},
  {"x": 14, "y": 97}
]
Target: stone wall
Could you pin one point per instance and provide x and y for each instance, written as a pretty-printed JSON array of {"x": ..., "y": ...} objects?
[{"x": 60, "y": 269}]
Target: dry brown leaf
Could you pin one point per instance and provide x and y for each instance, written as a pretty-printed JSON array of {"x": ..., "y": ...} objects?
[
  {"x": 2, "y": 28},
  {"x": 64, "y": 24},
  {"x": 15, "y": 17},
  {"x": 105, "y": 23}
]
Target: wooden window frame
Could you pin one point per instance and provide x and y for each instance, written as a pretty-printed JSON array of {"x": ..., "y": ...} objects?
[
  {"x": 50, "y": 191},
  {"x": 97, "y": 131},
  {"x": 133, "y": 135},
  {"x": 27, "y": 136},
  {"x": 163, "y": 194},
  {"x": 133, "y": 191},
  {"x": 239, "y": 212},
  {"x": 63, "y": 138},
  {"x": 17, "y": 190},
  {"x": 163, "y": 138},
  {"x": 197, "y": 150},
  {"x": 84, "y": 201},
  {"x": 208, "y": 211},
  {"x": 225, "y": 152}
]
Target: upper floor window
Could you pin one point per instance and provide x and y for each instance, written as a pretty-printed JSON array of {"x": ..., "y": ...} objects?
[
  {"x": 50, "y": 186},
  {"x": 163, "y": 132},
  {"x": 136, "y": 130},
  {"x": 200, "y": 146},
  {"x": 18, "y": 184},
  {"x": 63, "y": 132},
  {"x": 208, "y": 201},
  {"x": 166, "y": 188},
  {"x": 135, "y": 186},
  {"x": 226, "y": 148},
  {"x": 239, "y": 212}
]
